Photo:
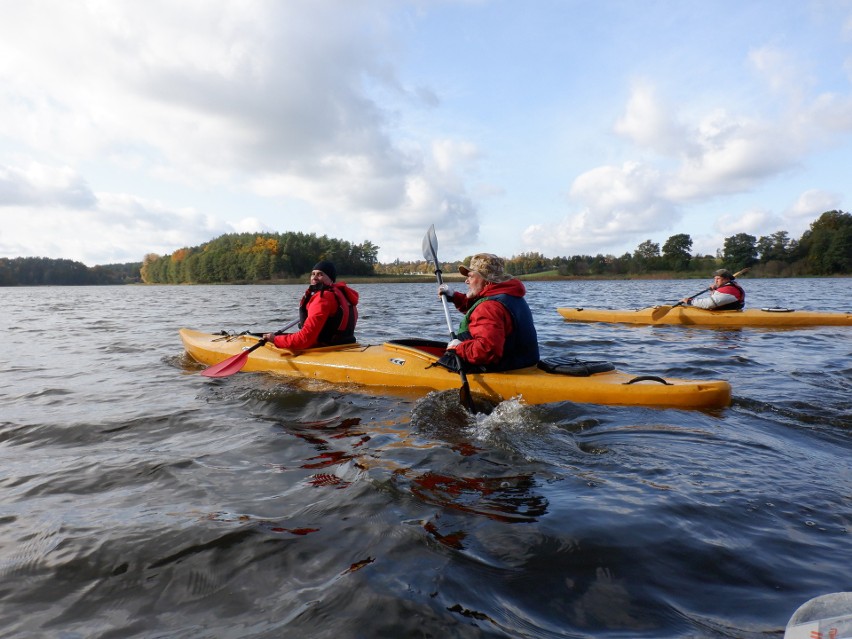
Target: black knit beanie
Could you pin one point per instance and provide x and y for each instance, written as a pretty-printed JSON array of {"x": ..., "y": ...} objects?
[{"x": 328, "y": 268}]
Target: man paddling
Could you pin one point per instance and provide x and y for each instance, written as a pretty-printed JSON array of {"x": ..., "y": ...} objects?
[
  {"x": 327, "y": 313},
  {"x": 497, "y": 332},
  {"x": 726, "y": 294}
]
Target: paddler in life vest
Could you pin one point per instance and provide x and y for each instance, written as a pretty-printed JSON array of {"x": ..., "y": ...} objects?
[
  {"x": 327, "y": 313},
  {"x": 726, "y": 294},
  {"x": 497, "y": 332}
]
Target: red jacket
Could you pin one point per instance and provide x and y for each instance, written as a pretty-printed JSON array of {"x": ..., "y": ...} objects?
[
  {"x": 321, "y": 306},
  {"x": 490, "y": 322}
]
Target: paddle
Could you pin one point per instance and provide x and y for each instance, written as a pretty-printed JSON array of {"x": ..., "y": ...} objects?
[
  {"x": 661, "y": 311},
  {"x": 430, "y": 254},
  {"x": 235, "y": 363}
]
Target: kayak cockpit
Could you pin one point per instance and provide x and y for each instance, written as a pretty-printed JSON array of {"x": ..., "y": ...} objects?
[{"x": 430, "y": 347}]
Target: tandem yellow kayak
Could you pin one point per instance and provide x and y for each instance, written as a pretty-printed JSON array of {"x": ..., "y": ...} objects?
[
  {"x": 691, "y": 316},
  {"x": 410, "y": 364}
]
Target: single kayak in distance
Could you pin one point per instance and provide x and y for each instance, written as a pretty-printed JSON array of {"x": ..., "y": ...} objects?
[
  {"x": 411, "y": 364},
  {"x": 691, "y": 316}
]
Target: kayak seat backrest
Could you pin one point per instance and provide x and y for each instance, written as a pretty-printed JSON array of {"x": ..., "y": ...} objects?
[
  {"x": 431, "y": 346},
  {"x": 573, "y": 366}
]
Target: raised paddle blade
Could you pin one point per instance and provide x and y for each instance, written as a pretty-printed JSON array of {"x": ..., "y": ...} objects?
[
  {"x": 231, "y": 365},
  {"x": 430, "y": 246}
]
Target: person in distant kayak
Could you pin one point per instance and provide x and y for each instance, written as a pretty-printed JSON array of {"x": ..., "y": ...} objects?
[
  {"x": 726, "y": 294},
  {"x": 497, "y": 332},
  {"x": 327, "y": 313}
]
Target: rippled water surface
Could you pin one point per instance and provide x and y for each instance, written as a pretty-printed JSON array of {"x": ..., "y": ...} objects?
[{"x": 140, "y": 499}]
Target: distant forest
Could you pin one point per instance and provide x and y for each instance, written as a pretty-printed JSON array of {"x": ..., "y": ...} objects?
[
  {"x": 252, "y": 257},
  {"x": 824, "y": 249},
  {"x": 43, "y": 271}
]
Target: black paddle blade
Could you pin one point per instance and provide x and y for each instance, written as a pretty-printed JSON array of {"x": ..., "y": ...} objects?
[{"x": 466, "y": 399}]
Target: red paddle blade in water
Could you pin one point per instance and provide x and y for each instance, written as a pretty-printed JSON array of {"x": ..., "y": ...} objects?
[
  {"x": 231, "y": 365},
  {"x": 227, "y": 367}
]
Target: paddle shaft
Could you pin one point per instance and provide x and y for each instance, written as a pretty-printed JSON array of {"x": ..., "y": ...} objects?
[
  {"x": 432, "y": 241},
  {"x": 234, "y": 364},
  {"x": 444, "y": 302}
]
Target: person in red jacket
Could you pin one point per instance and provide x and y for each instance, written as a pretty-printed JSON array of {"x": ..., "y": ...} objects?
[
  {"x": 497, "y": 332},
  {"x": 327, "y": 313},
  {"x": 726, "y": 294}
]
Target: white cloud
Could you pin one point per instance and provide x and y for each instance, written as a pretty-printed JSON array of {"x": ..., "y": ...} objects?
[
  {"x": 125, "y": 227},
  {"x": 251, "y": 225},
  {"x": 254, "y": 94},
  {"x": 716, "y": 154},
  {"x": 362, "y": 120},
  {"x": 813, "y": 203},
  {"x": 649, "y": 124},
  {"x": 36, "y": 184},
  {"x": 752, "y": 221},
  {"x": 620, "y": 201},
  {"x": 783, "y": 73}
]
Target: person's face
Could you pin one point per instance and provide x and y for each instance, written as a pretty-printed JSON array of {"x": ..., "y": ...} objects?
[
  {"x": 475, "y": 283},
  {"x": 318, "y": 277},
  {"x": 718, "y": 281}
]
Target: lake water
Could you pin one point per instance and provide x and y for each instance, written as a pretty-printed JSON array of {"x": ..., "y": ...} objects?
[{"x": 140, "y": 499}]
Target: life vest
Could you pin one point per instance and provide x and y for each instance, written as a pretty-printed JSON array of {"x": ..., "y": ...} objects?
[
  {"x": 732, "y": 288},
  {"x": 521, "y": 346},
  {"x": 339, "y": 328}
]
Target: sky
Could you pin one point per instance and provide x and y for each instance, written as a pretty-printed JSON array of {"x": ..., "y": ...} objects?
[{"x": 563, "y": 127}]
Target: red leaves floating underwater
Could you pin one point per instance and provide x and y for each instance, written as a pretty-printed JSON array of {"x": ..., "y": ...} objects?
[
  {"x": 329, "y": 459},
  {"x": 452, "y": 540},
  {"x": 262, "y": 523},
  {"x": 508, "y": 499},
  {"x": 324, "y": 479},
  {"x": 358, "y": 565}
]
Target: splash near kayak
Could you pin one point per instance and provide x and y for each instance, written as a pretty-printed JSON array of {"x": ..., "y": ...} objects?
[
  {"x": 691, "y": 316},
  {"x": 410, "y": 364}
]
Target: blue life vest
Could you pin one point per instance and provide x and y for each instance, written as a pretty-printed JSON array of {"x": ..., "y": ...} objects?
[{"x": 521, "y": 346}]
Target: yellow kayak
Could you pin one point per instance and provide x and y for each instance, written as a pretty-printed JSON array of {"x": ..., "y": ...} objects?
[
  {"x": 408, "y": 363},
  {"x": 691, "y": 316}
]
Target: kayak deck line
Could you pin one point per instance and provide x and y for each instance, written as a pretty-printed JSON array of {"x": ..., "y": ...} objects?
[
  {"x": 692, "y": 316},
  {"x": 410, "y": 363}
]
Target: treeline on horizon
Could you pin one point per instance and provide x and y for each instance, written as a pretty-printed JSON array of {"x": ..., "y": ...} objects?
[
  {"x": 824, "y": 249},
  {"x": 45, "y": 271},
  {"x": 254, "y": 257}
]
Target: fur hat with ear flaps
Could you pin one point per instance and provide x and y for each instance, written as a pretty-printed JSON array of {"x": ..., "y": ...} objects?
[{"x": 488, "y": 265}]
